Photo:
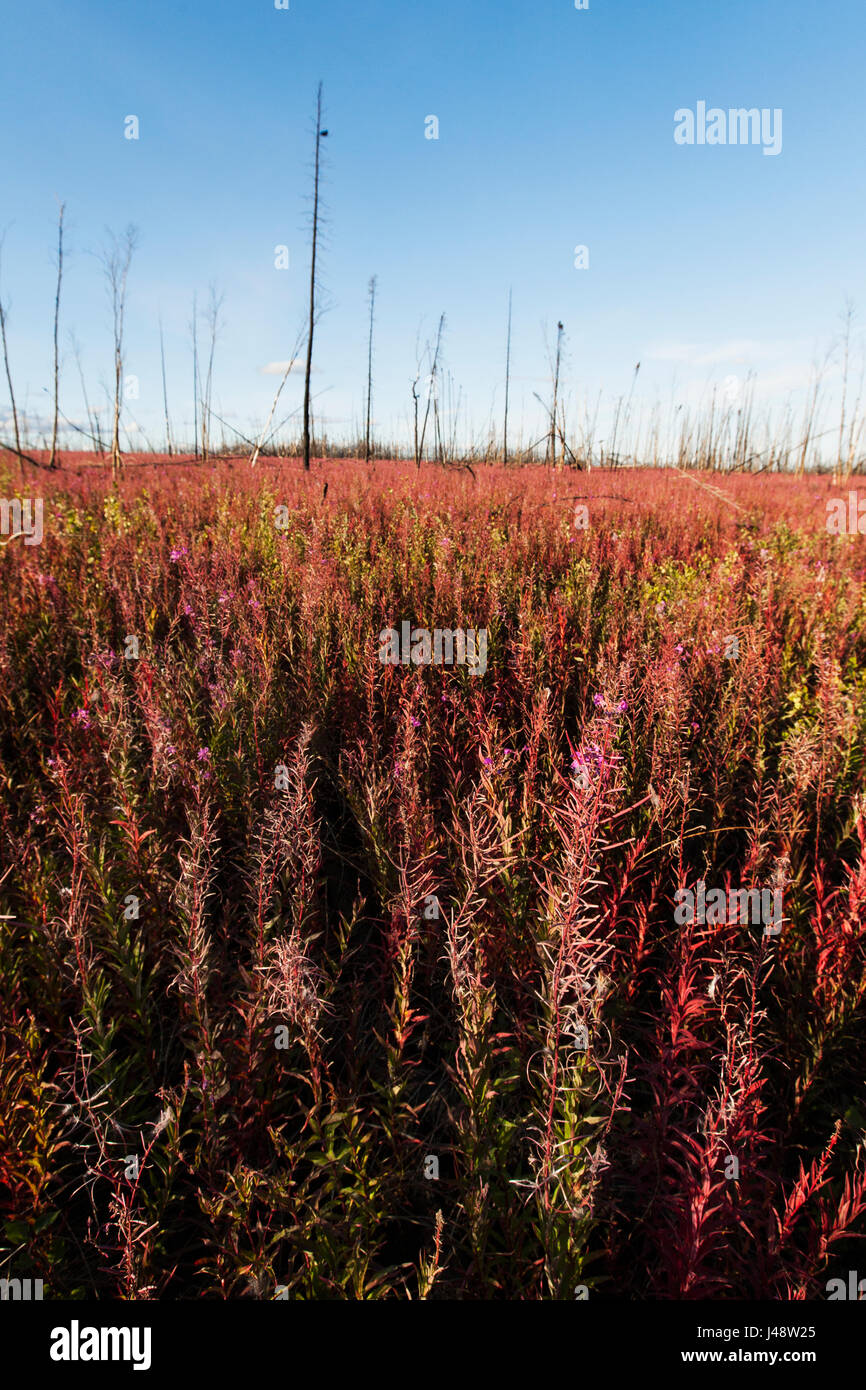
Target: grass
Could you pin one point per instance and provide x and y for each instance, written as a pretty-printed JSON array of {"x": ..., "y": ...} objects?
[{"x": 281, "y": 924}]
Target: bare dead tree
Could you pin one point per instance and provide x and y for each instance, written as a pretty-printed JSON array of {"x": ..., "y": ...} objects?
[
  {"x": 164, "y": 389},
  {"x": 810, "y": 413},
  {"x": 448, "y": 453},
  {"x": 556, "y": 427},
  {"x": 372, "y": 292},
  {"x": 291, "y": 362},
  {"x": 52, "y": 462},
  {"x": 456, "y": 424},
  {"x": 416, "y": 453},
  {"x": 415, "y": 398},
  {"x": 846, "y": 453},
  {"x": 116, "y": 260},
  {"x": 613, "y": 457},
  {"x": 437, "y": 433},
  {"x": 195, "y": 381},
  {"x": 212, "y": 320},
  {"x": 9, "y": 372},
  {"x": 320, "y": 134},
  {"x": 553, "y": 423},
  {"x": 507, "y": 383},
  {"x": 431, "y": 393},
  {"x": 92, "y": 415}
]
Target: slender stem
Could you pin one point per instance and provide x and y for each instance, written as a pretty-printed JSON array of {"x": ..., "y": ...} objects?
[
  {"x": 53, "y": 459},
  {"x": 312, "y": 284},
  {"x": 507, "y": 383}
]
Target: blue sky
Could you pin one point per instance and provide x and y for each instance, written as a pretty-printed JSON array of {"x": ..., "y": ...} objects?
[{"x": 555, "y": 130}]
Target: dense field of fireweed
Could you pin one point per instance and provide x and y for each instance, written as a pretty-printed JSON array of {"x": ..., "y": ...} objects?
[{"x": 614, "y": 752}]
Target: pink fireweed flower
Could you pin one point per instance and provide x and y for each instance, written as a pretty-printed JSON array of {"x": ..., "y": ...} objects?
[
  {"x": 203, "y": 755},
  {"x": 597, "y": 699},
  {"x": 179, "y": 553},
  {"x": 82, "y": 717},
  {"x": 622, "y": 706},
  {"x": 593, "y": 753}
]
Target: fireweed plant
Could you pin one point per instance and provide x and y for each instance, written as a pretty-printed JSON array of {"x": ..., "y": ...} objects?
[{"x": 323, "y": 978}]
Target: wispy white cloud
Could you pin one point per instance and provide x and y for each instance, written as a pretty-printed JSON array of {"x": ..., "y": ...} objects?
[
  {"x": 279, "y": 368},
  {"x": 736, "y": 350}
]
